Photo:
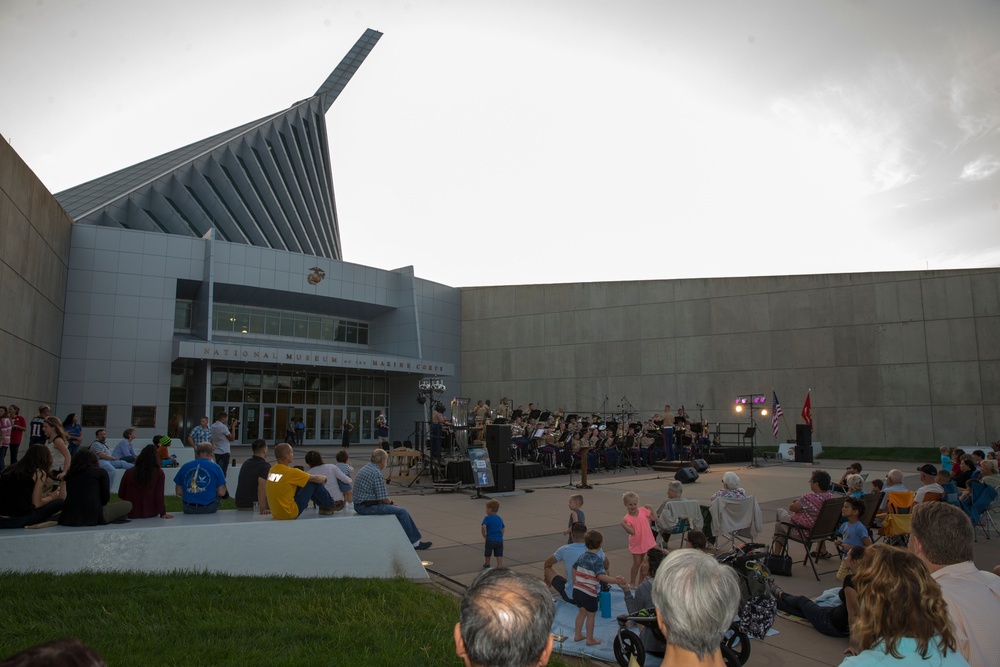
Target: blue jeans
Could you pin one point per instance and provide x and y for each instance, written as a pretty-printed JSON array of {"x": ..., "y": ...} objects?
[
  {"x": 314, "y": 492},
  {"x": 410, "y": 528},
  {"x": 820, "y": 617},
  {"x": 108, "y": 468},
  {"x": 38, "y": 515},
  {"x": 211, "y": 508}
]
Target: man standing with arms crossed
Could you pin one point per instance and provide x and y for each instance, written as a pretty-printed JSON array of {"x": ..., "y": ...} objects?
[{"x": 221, "y": 436}]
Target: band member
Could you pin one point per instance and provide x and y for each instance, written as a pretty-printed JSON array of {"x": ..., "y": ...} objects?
[{"x": 437, "y": 430}]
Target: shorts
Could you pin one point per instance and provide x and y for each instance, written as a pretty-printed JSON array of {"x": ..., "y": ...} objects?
[
  {"x": 585, "y": 601},
  {"x": 494, "y": 548},
  {"x": 344, "y": 486}
]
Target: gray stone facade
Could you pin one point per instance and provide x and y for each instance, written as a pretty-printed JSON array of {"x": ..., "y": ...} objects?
[{"x": 891, "y": 359}]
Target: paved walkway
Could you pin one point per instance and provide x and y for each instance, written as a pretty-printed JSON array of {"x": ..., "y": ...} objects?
[{"x": 535, "y": 521}]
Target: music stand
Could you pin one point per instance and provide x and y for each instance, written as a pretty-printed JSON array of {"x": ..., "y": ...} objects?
[{"x": 751, "y": 435}]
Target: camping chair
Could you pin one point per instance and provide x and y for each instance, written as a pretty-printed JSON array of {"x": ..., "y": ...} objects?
[
  {"x": 734, "y": 518},
  {"x": 895, "y": 528},
  {"x": 825, "y": 528},
  {"x": 676, "y": 517},
  {"x": 932, "y": 497},
  {"x": 978, "y": 505},
  {"x": 950, "y": 493}
]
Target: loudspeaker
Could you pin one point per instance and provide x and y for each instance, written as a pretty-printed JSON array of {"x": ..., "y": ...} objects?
[
  {"x": 803, "y": 444},
  {"x": 498, "y": 442},
  {"x": 503, "y": 477},
  {"x": 701, "y": 465},
  {"x": 686, "y": 475},
  {"x": 803, "y": 435}
]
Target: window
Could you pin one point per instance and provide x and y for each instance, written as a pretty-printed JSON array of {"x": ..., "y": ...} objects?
[
  {"x": 143, "y": 416},
  {"x": 93, "y": 416}
]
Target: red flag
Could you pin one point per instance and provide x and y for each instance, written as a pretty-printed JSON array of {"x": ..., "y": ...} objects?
[{"x": 807, "y": 413}]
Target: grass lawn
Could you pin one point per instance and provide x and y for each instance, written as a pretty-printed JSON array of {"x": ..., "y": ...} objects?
[
  {"x": 207, "y": 619},
  {"x": 139, "y": 619}
]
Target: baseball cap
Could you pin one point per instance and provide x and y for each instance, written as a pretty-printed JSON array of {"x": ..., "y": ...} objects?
[{"x": 927, "y": 469}]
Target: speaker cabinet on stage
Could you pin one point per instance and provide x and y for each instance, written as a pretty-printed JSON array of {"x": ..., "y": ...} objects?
[
  {"x": 701, "y": 465},
  {"x": 686, "y": 475},
  {"x": 803, "y": 443},
  {"x": 503, "y": 476},
  {"x": 498, "y": 442}
]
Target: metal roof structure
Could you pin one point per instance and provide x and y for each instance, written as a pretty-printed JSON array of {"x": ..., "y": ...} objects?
[{"x": 267, "y": 183}]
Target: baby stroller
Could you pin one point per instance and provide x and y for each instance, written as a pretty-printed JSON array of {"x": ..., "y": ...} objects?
[
  {"x": 757, "y": 610},
  {"x": 735, "y": 645}
]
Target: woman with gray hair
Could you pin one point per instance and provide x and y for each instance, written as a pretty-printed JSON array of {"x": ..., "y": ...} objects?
[
  {"x": 730, "y": 488},
  {"x": 696, "y": 598},
  {"x": 855, "y": 485}
]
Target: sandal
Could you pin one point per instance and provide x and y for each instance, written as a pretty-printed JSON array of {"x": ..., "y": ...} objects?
[{"x": 820, "y": 554}]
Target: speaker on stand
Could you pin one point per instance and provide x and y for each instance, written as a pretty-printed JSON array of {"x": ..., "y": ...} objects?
[{"x": 803, "y": 443}]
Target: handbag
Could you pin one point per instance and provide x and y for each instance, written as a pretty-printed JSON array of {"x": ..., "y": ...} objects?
[{"x": 778, "y": 565}]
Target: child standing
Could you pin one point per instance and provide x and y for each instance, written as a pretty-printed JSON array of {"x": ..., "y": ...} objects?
[
  {"x": 945, "y": 458},
  {"x": 853, "y": 533},
  {"x": 640, "y": 536},
  {"x": 493, "y": 528},
  {"x": 344, "y": 463},
  {"x": 575, "y": 515},
  {"x": 588, "y": 573}
]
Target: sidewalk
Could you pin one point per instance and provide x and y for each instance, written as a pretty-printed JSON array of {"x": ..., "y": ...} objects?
[{"x": 535, "y": 521}]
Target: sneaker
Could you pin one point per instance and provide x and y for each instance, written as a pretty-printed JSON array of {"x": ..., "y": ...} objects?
[
  {"x": 486, "y": 566},
  {"x": 44, "y": 524},
  {"x": 422, "y": 546},
  {"x": 326, "y": 511}
]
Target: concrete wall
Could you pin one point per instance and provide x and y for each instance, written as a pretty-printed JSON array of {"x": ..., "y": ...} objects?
[
  {"x": 892, "y": 359},
  {"x": 34, "y": 253}
]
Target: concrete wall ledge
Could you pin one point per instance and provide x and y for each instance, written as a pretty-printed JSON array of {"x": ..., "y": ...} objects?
[{"x": 228, "y": 542}]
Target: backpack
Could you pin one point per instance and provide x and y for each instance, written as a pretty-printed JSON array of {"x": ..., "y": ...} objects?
[{"x": 757, "y": 606}]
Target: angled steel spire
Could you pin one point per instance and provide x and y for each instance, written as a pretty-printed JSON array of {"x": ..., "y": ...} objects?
[
  {"x": 266, "y": 183},
  {"x": 348, "y": 66}
]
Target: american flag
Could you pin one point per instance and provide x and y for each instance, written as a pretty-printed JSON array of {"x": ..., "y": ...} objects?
[{"x": 776, "y": 413}]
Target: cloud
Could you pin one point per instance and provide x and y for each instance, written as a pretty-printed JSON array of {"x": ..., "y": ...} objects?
[{"x": 981, "y": 169}]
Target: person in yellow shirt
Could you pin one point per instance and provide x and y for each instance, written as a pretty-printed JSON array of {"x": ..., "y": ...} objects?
[{"x": 289, "y": 489}]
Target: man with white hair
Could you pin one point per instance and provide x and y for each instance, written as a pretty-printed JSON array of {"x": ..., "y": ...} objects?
[
  {"x": 695, "y": 598},
  {"x": 506, "y": 618},
  {"x": 370, "y": 498},
  {"x": 894, "y": 482}
]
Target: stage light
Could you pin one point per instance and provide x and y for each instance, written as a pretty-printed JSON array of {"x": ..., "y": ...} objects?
[
  {"x": 739, "y": 408},
  {"x": 763, "y": 412}
]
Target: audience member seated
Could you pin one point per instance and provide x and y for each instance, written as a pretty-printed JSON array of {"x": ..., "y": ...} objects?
[
  {"x": 505, "y": 619},
  {"x": 855, "y": 486},
  {"x": 143, "y": 486},
  {"x": 289, "y": 490},
  {"x": 696, "y": 539},
  {"x": 103, "y": 452},
  {"x": 251, "y": 487},
  {"x": 162, "y": 443},
  {"x": 642, "y": 598},
  {"x": 928, "y": 481},
  {"x": 568, "y": 555},
  {"x": 730, "y": 488},
  {"x": 88, "y": 491},
  {"x": 695, "y": 598},
  {"x": 26, "y": 498},
  {"x": 675, "y": 509},
  {"x": 988, "y": 476},
  {"x": 333, "y": 475},
  {"x": 831, "y": 621},
  {"x": 841, "y": 486},
  {"x": 942, "y": 536},
  {"x": 802, "y": 512},
  {"x": 903, "y": 619},
  {"x": 894, "y": 483},
  {"x": 201, "y": 483},
  {"x": 124, "y": 451},
  {"x": 967, "y": 467}
]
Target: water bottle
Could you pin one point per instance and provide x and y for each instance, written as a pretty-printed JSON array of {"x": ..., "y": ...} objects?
[{"x": 605, "y": 602}]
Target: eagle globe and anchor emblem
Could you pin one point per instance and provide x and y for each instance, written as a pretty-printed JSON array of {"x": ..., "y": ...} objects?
[{"x": 316, "y": 277}]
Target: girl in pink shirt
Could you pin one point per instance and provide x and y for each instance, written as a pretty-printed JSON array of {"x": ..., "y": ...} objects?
[{"x": 640, "y": 536}]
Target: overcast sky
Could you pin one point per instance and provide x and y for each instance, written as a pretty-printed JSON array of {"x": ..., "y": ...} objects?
[{"x": 537, "y": 142}]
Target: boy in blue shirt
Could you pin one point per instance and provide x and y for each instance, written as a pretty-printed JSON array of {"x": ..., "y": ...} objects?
[
  {"x": 493, "y": 528},
  {"x": 588, "y": 575},
  {"x": 853, "y": 533}
]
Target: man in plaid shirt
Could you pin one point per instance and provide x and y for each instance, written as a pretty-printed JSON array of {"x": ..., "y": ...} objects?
[
  {"x": 371, "y": 498},
  {"x": 199, "y": 433}
]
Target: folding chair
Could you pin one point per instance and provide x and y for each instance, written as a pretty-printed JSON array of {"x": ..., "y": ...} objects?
[
  {"x": 676, "y": 517},
  {"x": 732, "y": 519},
  {"x": 825, "y": 528},
  {"x": 895, "y": 527},
  {"x": 978, "y": 505}
]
